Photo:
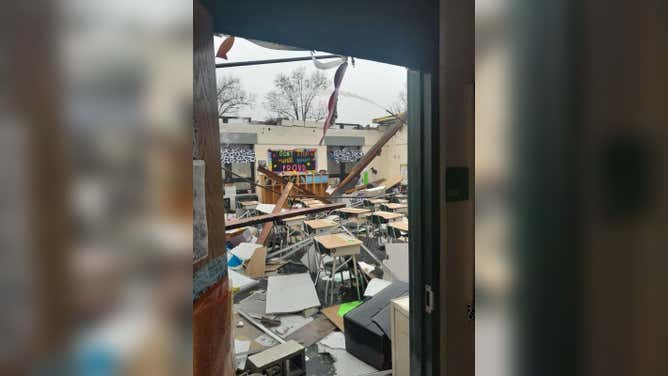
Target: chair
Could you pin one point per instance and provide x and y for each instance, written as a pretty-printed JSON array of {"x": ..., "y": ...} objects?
[
  {"x": 378, "y": 222},
  {"x": 396, "y": 234},
  {"x": 343, "y": 266}
]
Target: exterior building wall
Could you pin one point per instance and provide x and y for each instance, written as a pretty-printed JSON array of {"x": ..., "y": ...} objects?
[{"x": 293, "y": 137}]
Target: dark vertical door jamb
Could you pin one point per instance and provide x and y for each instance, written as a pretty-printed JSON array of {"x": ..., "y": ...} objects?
[{"x": 424, "y": 225}]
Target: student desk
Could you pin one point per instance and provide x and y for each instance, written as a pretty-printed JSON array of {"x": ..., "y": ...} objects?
[
  {"x": 400, "y": 225},
  {"x": 387, "y": 216},
  {"x": 399, "y": 208},
  {"x": 338, "y": 246},
  {"x": 319, "y": 226}
]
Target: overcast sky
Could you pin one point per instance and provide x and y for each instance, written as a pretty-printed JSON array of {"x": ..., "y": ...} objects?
[{"x": 376, "y": 81}]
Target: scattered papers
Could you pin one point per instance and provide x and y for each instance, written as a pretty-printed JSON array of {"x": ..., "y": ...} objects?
[
  {"x": 240, "y": 281},
  {"x": 290, "y": 324},
  {"x": 266, "y": 341},
  {"x": 344, "y": 363},
  {"x": 375, "y": 286},
  {"x": 335, "y": 340},
  {"x": 241, "y": 349},
  {"x": 366, "y": 268},
  {"x": 291, "y": 293}
]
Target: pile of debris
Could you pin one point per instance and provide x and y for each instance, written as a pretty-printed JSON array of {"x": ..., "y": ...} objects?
[{"x": 282, "y": 327}]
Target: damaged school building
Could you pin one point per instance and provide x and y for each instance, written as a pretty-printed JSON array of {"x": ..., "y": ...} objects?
[
  {"x": 317, "y": 245},
  {"x": 320, "y": 248}
]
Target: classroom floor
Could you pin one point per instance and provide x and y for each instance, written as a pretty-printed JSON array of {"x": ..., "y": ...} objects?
[{"x": 323, "y": 363}]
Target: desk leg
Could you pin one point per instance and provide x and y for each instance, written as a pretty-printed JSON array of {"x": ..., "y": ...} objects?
[
  {"x": 332, "y": 276},
  {"x": 357, "y": 281}
]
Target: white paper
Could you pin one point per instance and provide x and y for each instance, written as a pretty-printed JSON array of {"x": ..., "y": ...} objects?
[
  {"x": 334, "y": 340},
  {"x": 240, "y": 281},
  {"x": 375, "y": 286},
  {"x": 291, "y": 293},
  {"x": 245, "y": 251},
  {"x": 266, "y": 341},
  {"x": 241, "y": 347},
  {"x": 290, "y": 324},
  {"x": 366, "y": 268}
]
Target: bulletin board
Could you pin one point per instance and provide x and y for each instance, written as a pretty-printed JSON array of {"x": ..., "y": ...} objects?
[{"x": 295, "y": 160}]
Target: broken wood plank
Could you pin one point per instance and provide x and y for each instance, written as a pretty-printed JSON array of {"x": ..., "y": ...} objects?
[
  {"x": 393, "y": 182},
  {"x": 313, "y": 331},
  {"x": 286, "y": 214},
  {"x": 269, "y": 226},
  {"x": 368, "y": 157},
  {"x": 365, "y": 186},
  {"x": 281, "y": 179}
]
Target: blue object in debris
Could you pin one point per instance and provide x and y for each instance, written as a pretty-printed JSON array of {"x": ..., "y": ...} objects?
[{"x": 234, "y": 261}]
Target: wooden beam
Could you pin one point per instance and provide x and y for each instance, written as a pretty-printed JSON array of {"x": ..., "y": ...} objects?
[
  {"x": 287, "y": 214},
  {"x": 212, "y": 324},
  {"x": 281, "y": 179},
  {"x": 266, "y": 229},
  {"x": 368, "y": 157}
]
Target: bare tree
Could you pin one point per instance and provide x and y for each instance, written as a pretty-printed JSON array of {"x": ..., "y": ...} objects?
[
  {"x": 401, "y": 105},
  {"x": 296, "y": 96},
  {"x": 231, "y": 97}
]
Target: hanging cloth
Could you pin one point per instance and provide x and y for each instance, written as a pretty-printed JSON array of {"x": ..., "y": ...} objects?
[
  {"x": 225, "y": 47},
  {"x": 331, "y": 105},
  {"x": 274, "y": 46},
  {"x": 327, "y": 65}
]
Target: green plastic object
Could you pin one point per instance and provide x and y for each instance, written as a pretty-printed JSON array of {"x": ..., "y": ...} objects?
[
  {"x": 347, "y": 307},
  {"x": 365, "y": 177}
]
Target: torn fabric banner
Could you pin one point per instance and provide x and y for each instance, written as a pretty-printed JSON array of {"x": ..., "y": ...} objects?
[
  {"x": 331, "y": 105},
  {"x": 328, "y": 65},
  {"x": 274, "y": 46},
  {"x": 346, "y": 156},
  {"x": 225, "y": 47}
]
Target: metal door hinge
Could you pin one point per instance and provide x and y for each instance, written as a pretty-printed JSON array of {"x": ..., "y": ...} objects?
[{"x": 429, "y": 303}]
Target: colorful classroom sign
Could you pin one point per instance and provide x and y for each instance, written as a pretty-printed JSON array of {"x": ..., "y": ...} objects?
[{"x": 296, "y": 160}]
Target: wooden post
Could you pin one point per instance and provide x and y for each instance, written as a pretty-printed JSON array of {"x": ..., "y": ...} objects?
[
  {"x": 266, "y": 229},
  {"x": 456, "y": 137},
  {"x": 212, "y": 318}
]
